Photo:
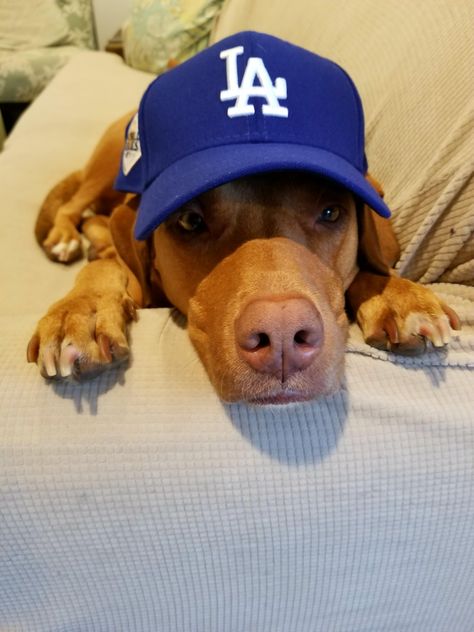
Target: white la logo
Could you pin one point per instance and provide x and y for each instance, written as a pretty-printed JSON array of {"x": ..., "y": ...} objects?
[{"x": 255, "y": 69}]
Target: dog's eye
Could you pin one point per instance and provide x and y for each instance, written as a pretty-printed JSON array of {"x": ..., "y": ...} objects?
[
  {"x": 330, "y": 214},
  {"x": 191, "y": 222}
]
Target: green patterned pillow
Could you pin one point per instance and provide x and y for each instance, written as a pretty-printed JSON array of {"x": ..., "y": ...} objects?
[
  {"x": 37, "y": 37},
  {"x": 26, "y": 73},
  {"x": 161, "y": 33},
  {"x": 27, "y": 25},
  {"x": 79, "y": 17}
]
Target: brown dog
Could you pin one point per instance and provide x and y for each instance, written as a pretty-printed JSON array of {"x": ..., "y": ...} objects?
[{"x": 261, "y": 266}]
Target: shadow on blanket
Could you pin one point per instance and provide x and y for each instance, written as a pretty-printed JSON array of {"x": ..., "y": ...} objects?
[
  {"x": 296, "y": 434},
  {"x": 87, "y": 393}
]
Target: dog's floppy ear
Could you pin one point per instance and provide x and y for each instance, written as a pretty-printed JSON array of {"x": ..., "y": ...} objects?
[
  {"x": 144, "y": 285},
  {"x": 133, "y": 254},
  {"x": 378, "y": 245}
]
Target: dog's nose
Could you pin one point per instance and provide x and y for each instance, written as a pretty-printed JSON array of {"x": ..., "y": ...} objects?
[{"x": 279, "y": 337}]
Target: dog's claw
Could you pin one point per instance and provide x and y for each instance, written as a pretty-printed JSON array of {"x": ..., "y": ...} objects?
[
  {"x": 105, "y": 347},
  {"x": 391, "y": 329},
  {"x": 32, "y": 350},
  {"x": 453, "y": 318},
  {"x": 49, "y": 363},
  {"x": 68, "y": 358}
]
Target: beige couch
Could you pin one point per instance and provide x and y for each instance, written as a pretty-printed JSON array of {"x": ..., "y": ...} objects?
[{"x": 140, "y": 502}]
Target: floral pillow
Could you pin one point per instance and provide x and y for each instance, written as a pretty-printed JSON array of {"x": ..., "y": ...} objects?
[
  {"x": 161, "y": 33},
  {"x": 32, "y": 24}
]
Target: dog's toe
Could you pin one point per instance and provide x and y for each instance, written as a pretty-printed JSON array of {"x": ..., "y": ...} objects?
[
  {"x": 411, "y": 336},
  {"x": 421, "y": 329},
  {"x": 69, "y": 358},
  {"x": 66, "y": 251},
  {"x": 407, "y": 319},
  {"x": 48, "y": 367},
  {"x": 63, "y": 244},
  {"x": 80, "y": 337},
  {"x": 435, "y": 329}
]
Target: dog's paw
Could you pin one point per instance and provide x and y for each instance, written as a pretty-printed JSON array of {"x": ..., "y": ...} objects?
[
  {"x": 405, "y": 317},
  {"x": 63, "y": 243},
  {"x": 82, "y": 335}
]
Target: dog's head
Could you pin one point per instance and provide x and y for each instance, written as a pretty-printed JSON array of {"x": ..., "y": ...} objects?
[
  {"x": 258, "y": 262},
  {"x": 260, "y": 265}
]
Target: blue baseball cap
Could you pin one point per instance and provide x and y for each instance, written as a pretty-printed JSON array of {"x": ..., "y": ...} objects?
[{"x": 249, "y": 104}]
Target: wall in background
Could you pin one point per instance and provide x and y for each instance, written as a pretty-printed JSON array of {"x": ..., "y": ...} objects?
[{"x": 109, "y": 16}]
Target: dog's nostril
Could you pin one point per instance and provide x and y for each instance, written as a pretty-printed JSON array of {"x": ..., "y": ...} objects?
[
  {"x": 255, "y": 341},
  {"x": 301, "y": 337},
  {"x": 306, "y": 337},
  {"x": 263, "y": 341}
]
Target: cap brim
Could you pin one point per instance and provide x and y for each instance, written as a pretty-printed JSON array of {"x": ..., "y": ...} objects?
[{"x": 204, "y": 170}]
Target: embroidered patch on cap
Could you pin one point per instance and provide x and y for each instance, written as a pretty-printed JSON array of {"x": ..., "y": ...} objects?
[{"x": 132, "y": 151}]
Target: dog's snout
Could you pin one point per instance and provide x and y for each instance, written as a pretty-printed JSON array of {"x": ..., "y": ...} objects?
[{"x": 279, "y": 337}]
